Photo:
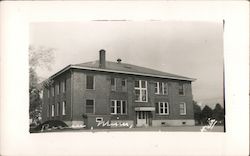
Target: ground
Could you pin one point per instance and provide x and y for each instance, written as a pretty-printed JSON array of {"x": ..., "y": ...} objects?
[{"x": 163, "y": 129}]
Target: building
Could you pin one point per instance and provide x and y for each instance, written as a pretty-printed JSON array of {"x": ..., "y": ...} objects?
[{"x": 117, "y": 93}]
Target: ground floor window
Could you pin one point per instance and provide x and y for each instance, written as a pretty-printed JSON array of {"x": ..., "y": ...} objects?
[
  {"x": 58, "y": 109},
  {"x": 118, "y": 107},
  {"x": 162, "y": 108},
  {"x": 183, "y": 108},
  {"x": 64, "y": 108},
  {"x": 90, "y": 106},
  {"x": 48, "y": 113},
  {"x": 52, "y": 110}
]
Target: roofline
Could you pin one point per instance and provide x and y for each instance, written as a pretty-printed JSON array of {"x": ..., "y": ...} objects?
[{"x": 117, "y": 71}]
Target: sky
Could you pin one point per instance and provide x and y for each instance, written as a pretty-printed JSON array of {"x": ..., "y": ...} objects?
[{"x": 187, "y": 48}]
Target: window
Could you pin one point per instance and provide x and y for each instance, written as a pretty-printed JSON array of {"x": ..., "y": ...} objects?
[
  {"x": 162, "y": 108},
  {"x": 64, "y": 108},
  {"x": 182, "y": 108},
  {"x": 161, "y": 88},
  {"x": 124, "y": 85},
  {"x": 58, "y": 109},
  {"x": 63, "y": 85},
  {"x": 90, "y": 82},
  {"x": 90, "y": 106},
  {"x": 141, "y": 94},
  {"x": 98, "y": 119},
  {"x": 52, "y": 110},
  {"x": 52, "y": 91},
  {"x": 118, "y": 107},
  {"x": 48, "y": 91},
  {"x": 181, "y": 89},
  {"x": 113, "y": 84},
  {"x": 48, "y": 111},
  {"x": 57, "y": 89}
]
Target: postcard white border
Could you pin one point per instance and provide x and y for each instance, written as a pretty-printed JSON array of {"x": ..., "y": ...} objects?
[{"x": 15, "y": 138}]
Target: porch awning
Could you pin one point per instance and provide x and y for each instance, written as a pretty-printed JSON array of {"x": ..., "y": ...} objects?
[{"x": 144, "y": 108}]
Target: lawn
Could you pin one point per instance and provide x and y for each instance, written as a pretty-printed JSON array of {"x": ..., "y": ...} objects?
[{"x": 143, "y": 129}]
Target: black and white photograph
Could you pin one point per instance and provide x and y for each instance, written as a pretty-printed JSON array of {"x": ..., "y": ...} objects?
[{"x": 126, "y": 76}]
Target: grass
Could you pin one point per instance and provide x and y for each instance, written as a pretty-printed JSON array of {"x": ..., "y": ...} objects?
[{"x": 145, "y": 129}]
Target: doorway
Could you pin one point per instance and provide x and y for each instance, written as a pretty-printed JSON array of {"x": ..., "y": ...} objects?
[{"x": 142, "y": 119}]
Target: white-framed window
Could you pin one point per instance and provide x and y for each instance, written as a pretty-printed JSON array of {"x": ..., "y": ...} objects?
[
  {"x": 63, "y": 85},
  {"x": 183, "y": 108},
  {"x": 124, "y": 84},
  {"x": 113, "y": 84},
  {"x": 57, "y": 108},
  {"x": 52, "y": 110},
  {"x": 48, "y": 92},
  {"x": 161, "y": 88},
  {"x": 118, "y": 107},
  {"x": 52, "y": 91},
  {"x": 90, "y": 106},
  {"x": 141, "y": 93},
  {"x": 57, "y": 89},
  {"x": 181, "y": 89},
  {"x": 63, "y": 108},
  {"x": 162, "y": 108},
  {"x": 90, "y": 82}
]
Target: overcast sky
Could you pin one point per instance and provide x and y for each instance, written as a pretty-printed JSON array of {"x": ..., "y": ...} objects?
[{"x": 193, "y": 49}]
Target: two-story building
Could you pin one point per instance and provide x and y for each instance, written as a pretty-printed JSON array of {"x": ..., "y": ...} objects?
[{"x": 117, "y": 92}]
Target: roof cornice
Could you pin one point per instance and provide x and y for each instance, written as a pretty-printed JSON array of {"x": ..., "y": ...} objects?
[{"x": 118, "y": 71}]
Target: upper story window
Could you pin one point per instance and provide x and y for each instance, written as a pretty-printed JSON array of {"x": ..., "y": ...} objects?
[
  {"x": 90, "y": 106},
  {"x": 118, "y": 107},
  {"x": 141, "y": 94},
  {"x": 63, "y": 85},
  {"x": 89, "y": 82},
  {"x": 124, "y": 85},
  {"x": 181, "y": 89},
  {"x": 52, "y": 91},
  {"x": 64, "y": 108},
  {"x": 183, "y": 108},
  {"x": 161, "y": 88},
  {"x": 57, "y": 89},
  {"x": 48, "y": 91},
  {"x": 113, "y": 84},
  {"x": 162, "y": 108}
]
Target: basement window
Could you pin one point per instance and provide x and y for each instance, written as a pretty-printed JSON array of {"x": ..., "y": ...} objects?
[{"x": 99, "y": 119}]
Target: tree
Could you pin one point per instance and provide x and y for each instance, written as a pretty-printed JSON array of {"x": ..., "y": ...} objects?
[
  {"x": 38, "y": 58},
  {"x": 206, "y": 113},
  {"x": 218, "y": 113},
  {"x": 197, "y": 113}
]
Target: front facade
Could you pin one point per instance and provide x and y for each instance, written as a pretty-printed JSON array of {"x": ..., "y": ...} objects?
[{"x": 100, "y": 94}]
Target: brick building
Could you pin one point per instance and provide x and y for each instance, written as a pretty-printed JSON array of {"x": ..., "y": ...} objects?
[{"x": 116, "y": 92}]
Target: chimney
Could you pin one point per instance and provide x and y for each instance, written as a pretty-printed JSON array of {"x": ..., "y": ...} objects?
[{"x": 102, "y": 60}]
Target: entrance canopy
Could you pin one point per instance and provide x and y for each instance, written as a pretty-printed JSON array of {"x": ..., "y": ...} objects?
[{"x": 144, "y": 108}]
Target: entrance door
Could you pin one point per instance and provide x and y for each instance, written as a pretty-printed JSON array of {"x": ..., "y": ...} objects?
[{"x": 142, "y": 118}]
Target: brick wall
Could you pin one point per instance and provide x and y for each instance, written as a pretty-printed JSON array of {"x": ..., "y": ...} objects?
[{"x": 102, "y": 95}]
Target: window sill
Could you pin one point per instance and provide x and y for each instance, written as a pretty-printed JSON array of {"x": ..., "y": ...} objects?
[
  {"x": 162, "y": 114},
  {"x": 160, "y": 94}
]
